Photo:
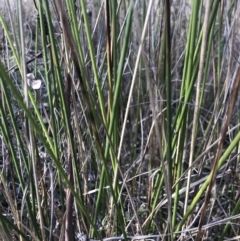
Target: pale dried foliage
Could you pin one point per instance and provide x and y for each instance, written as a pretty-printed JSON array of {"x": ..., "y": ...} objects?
[{"x": 10, "y": 7}]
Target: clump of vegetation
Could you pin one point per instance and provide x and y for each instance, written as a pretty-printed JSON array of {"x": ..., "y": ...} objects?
[{"x": 121, "y": 122}]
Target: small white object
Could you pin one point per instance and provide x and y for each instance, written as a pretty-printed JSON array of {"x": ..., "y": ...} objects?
[
  {"x": 30, "y": 76},
  {"x": 36, "y": 84},
  {"x": 32, "y": 82}
]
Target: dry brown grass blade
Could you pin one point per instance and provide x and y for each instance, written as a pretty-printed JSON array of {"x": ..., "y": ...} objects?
[
  {"x": 219, "y": 150},
  {"x": 69, "y": 196},
  {"x": 71, "y": 47},
  {"x": 109, "y": 54}
]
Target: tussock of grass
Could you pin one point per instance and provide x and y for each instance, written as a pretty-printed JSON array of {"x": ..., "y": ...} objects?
[{"x": 119, "y": 119}]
